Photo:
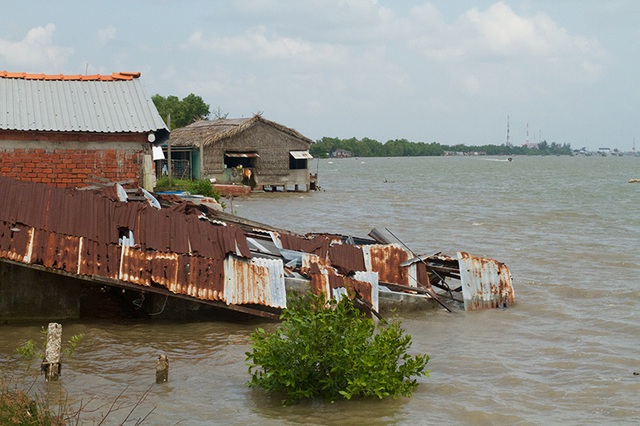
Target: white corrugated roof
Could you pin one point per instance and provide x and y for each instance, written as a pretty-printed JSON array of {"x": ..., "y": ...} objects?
[{"x": 83, "y": 104}]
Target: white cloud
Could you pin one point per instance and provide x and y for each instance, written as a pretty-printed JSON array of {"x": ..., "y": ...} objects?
[
  {"x": 105, "y": 35},
  {"x": 36, "y": 52},
  {"x": 257, "y": 43},
  {"x": 371, "y": 61},
  {"x": 481, "y": 45}
]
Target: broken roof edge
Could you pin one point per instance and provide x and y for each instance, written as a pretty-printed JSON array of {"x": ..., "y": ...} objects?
[{"x": 115, "y": 76}]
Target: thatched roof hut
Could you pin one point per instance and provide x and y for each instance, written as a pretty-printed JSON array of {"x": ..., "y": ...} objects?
[{"x": 253, "y": 151}]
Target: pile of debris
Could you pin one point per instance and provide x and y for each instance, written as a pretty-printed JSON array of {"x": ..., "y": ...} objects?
[{"x": 163, "y": 244}]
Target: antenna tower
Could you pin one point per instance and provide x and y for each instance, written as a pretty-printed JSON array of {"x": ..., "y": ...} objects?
[{"x": 508, "y": 140}]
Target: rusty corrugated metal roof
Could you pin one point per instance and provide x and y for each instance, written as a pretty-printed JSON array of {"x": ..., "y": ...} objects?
[
  {"x": 77, "y": 232},
  {"x": 347, "y": 258},
  {"x": 194, "y": 251},
  {"x": 486, "y": 283},
  {"x": 326, "y": 279},
  {"x": 260, "y": 281},
  {"x": 386, "y": 260}
]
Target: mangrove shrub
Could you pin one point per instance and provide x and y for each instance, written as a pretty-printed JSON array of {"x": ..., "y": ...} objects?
[{"x": 331, "y": 350}]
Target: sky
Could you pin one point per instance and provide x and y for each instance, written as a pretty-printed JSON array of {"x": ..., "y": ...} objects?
[{"x": 452, "y": 72}]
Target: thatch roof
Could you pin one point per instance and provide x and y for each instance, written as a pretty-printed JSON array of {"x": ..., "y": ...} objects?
[{"x": 206, "y": 132}]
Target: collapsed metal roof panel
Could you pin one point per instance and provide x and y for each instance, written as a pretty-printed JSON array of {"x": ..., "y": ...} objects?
[
  {"x": 77, "y": 232},
  {"x": 386, "y": 260},
  {"x": 325, "y": 279},
  {"x": 260, "y": 282},
  {"x": 486, "y": 283},
  {"x": 93, "y": 216},
  {"x": 347, "y": 258},
  {"x": 372, "y": 279}
]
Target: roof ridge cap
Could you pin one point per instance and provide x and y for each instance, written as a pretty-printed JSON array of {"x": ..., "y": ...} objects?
[{"x": 116, "y": 76}]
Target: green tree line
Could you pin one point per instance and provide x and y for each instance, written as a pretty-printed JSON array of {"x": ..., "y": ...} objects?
[
  {"x": 192, "y": 108},
  {"x": 403, "y": 148}
]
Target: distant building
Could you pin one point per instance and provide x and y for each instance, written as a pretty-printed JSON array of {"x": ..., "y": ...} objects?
[
  {"x": 604, "y": 151},
  {"x": 253, "y": 151},
  {"x": 68, "y": 130},
  {"x": 341, "y": 153}
]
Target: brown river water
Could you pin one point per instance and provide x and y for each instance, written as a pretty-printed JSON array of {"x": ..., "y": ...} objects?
[{"x": 568, "y": 228}]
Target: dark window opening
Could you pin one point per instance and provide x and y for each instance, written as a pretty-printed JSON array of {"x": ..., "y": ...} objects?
[
  {"x": 298, "y": 160},
  {"x": 297, "y": 164},
  {"x": 240, "y": 159}
]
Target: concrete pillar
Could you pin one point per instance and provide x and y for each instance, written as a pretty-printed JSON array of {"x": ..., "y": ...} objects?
[{"x": 51, "y": 363}]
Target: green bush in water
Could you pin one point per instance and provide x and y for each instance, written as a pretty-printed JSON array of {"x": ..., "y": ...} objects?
[{"x": 331, "y": 350}]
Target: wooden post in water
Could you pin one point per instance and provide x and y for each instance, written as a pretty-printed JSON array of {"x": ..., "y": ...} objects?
[
  {"x": 162, "y": 369},
  {"x": 51, "y": 363}
]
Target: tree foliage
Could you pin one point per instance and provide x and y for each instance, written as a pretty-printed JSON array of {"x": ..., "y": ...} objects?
[
  {"x": 183, "y": 112},
  {"x": 403, "y": 148},
  {"x": 330, "y": 350}
]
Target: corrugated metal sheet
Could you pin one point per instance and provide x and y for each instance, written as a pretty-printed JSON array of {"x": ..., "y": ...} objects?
[
  {"x": 260, "y": 282},
  {"x": 347, "y": 258},
  {"x": 325, "y": 279},
  {"x": 386, "y": 260},
  {"x": 276, "y": 294},
  {"x": 372, "y": 279},
  {"x": 316, "y": 244},
  {"x": 60, "y": 105},
  {"x": 486, "y": 283}
]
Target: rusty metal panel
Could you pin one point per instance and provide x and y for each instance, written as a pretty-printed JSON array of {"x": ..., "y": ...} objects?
[
  {"x": 15, "y": 242},
  {"x": 325, "y": 279},
  {"x": 316, "y": 269},
  {"x": 62, "y": 253},
  {"x": 247, "y": 282},
  {"x": 99, "y": 259},
  {"x": 316, "y": 244},
  {"x": 210, "y": 272},
  {"x": 347, "y": 258},
  {"x": 134, "y": 266},
  {"x": 55, "y": 251},
  {"x": 276, "y": 292},
  {"x": 163, "y": 268},
  {"x": 486, "y": 283},
  {"x": 372, "y": 279},
  {"x": 386, "y": 260},
  {"x": 204, "y": 276},
  {"x": 422, "y": 276},
  {"x": 310, "y": 260}
]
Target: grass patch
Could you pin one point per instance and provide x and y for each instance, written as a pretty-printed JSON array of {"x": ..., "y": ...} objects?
[
  {"x": 18, "y": 408},
  {"x": 194, "y": 187}
]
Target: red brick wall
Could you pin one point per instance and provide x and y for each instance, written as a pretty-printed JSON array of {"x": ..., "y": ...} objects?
[{"x": 70, "y": 165}]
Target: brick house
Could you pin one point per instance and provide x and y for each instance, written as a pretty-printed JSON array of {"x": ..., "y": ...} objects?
[{"x": 70, "y": 130}]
